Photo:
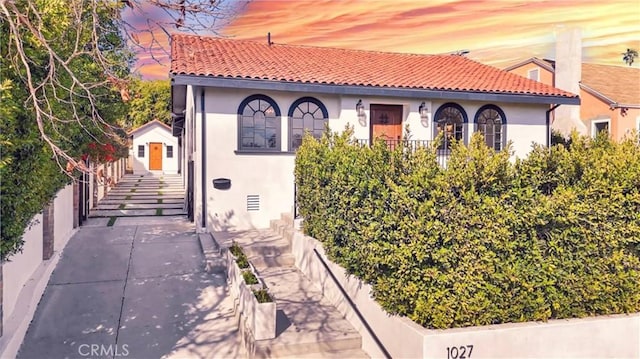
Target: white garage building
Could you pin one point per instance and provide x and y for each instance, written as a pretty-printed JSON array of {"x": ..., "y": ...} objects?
[{"x": 154, "y": 149}]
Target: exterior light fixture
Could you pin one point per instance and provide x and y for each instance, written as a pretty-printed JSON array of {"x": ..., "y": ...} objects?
[
  {"x": 424, "y": 114},
  {"x": 360, "y": 111}
]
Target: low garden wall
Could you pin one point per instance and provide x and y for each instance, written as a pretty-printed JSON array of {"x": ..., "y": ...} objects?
[
  {"x": 23, "y": 278},
  {"x": 259, "y": 318},
  {"x": 595, "y": 337}
]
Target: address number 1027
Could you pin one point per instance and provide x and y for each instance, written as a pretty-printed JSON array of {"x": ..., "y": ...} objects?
[{"x": 461, "y": 352}]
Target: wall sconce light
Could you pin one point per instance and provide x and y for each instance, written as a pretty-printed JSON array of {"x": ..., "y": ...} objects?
[
  {"x": 360, "y": 111},
  {"x": 424, "y": 114}
]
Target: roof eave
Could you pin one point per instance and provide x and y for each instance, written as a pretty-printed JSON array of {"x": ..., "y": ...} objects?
[
  {"x": 148, "y": 124},
  {"x": 598, "y": 94},
  {"x": 609, "y": 101},
  {"x": 624, "y": 105},
  {"x": 228, "y": 82},
  {"x": 534, "y": 60}
]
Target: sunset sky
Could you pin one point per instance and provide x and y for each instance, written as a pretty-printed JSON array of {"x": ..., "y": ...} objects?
[{"x": 496, "y": 32}]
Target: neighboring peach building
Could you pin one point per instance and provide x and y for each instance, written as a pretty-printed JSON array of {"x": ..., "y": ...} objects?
[{"x": 610, "y": 95}]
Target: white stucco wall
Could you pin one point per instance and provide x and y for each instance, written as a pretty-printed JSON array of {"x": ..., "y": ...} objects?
[
  {"x": 92, "y": 169},
  {"x": 270, "y": 176},
  {"x": 26, "y": 274},
  {"x": 154, "y": 133},
  {"x": 21, "y": 266},
  {"x": 63, "y": 217}
]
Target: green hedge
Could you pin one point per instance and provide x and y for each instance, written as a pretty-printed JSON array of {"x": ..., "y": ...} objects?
[{"x": 487, "y": 240}]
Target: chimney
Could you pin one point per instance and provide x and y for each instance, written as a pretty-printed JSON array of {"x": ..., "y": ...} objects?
[{"x": 568, "y": 73}]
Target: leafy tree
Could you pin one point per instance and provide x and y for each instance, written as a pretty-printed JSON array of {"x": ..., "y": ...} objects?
[
  {"x": 629, "y": 56},
  {"x": 149, "y": 100},
  {"x": 46, "y": 39},
  {"x": 64, "y": 96},
  {"x": 65, "y": 70}
]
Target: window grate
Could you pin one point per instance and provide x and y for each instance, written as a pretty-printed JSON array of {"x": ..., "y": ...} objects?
[{"x": 253, "y": 202}]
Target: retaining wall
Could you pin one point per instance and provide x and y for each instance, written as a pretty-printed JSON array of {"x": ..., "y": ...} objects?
[
  {"x": 24, "y": 276},
  {"x": 597, "y": 337}
]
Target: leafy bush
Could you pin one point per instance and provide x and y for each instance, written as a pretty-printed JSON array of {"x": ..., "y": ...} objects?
[
  {"x": 249, "y": 278},
  {"x": 487, "y": 240},
  {"x": 241, "y": 258},
  {"x": 30, "y": 177},
  {"x": 262, "y": 296},
  {"x": 242, "y": 261},
  {"x": 235, "y": 249}
]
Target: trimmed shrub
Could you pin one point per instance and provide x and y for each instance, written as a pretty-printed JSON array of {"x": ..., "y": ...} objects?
[
  {"x": 262, "y": 296},
  {"x": 249, "y": 278},
  {"x": 485, "y": 240},
  {"x": 241, "y": 258}
]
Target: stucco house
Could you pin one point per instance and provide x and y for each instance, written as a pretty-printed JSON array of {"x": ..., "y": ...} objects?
[
  {"x": 154, "y": 149},
  {"x": 610, "y": 95},
  {"x": 241, "y": 108}
]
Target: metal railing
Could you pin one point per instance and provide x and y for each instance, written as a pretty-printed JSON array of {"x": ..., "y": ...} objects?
[{"x": 442, "y": 154}]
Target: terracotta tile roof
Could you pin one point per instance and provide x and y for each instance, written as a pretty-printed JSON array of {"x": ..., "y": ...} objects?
[
  {"x": 621, "y": 84},
  {"x": 215, "y": 57},
  {"x": 149, "y": 124}
]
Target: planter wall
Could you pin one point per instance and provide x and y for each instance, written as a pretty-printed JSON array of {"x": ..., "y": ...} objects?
[
  {"x": 258, "y": 318},
  {"x": 234, "y": 275},
  {"x": 596, "y": 337}
]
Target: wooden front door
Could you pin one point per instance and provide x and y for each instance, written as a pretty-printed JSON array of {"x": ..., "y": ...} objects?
[
  {"x": 155, "y": 156},
  {"x": 386, "y": 123}
]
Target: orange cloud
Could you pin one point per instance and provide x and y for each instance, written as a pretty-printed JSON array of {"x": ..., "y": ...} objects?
[{"x": 496, "y": 32}]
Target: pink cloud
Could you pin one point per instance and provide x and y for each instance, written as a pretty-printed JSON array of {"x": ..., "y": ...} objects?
[{"x": 495, "y": 31}]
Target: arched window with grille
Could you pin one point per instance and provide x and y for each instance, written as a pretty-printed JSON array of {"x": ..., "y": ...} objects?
[
  {"x": 450, "y": 120},
  {"x": 306, "y": 114},
  {"x": 491, "y": 122},
  {"x": 259, "y": 127}
]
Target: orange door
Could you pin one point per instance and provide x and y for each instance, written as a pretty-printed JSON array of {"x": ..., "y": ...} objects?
[
  {"x": 155, "y": 156},
  {"x": 386, "y": 122}
]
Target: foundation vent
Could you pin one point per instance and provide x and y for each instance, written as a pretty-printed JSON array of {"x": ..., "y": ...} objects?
[{"x": 253, "y": 202}]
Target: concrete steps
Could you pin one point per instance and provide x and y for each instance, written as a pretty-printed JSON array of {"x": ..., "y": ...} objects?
[
  {"x": 143, "y": 199},
  {"x": 128, "y": 202},
  {"x": 269, "y": 252},
  {"x": 307, "y": 325}
]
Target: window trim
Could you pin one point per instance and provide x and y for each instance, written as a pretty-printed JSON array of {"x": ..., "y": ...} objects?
[
  {"x": 593, "y": 126},
  {"x": 141, "y": 149},
  {"x": 503, "y": 126},
  {"x": 465, "y": 120},
  {"x": 530, "y": 71},
  {"x": 169, "y": 147},
  {"x": 272, "y": 102},
  {"x": 293, "y": 107}
]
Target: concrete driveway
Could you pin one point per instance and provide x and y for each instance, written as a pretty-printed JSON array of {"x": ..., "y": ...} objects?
[{"x": 137, "y": 291}]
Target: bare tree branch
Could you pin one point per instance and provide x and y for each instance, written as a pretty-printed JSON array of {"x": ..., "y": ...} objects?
[{"x": 51, "y": 59}]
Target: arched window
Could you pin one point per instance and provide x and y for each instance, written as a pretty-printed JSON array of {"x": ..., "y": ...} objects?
[
  {"x": 450, "y": 119},
  {"x": 258, "y": 124},
  {"x": 306, "y": 114},
  {"x": 490, "y": 121}
]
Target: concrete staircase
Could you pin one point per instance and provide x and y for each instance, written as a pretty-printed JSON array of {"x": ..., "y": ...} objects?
[
  {"x": 307, "y": 325},
  {"x": 142, "y": 198}
]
